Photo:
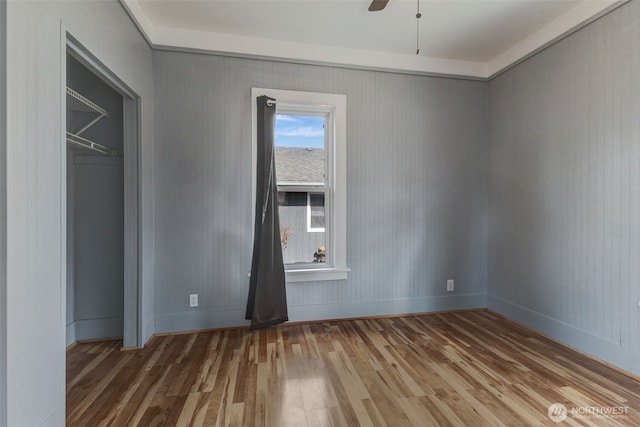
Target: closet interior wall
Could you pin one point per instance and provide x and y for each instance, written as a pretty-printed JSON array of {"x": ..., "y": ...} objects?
[
  {"x": 95, "y": 213},
  {"x": 3, "y": 213}
]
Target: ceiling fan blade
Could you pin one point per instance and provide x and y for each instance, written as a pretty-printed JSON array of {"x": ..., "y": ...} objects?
[{"x": 377, "y": 5}]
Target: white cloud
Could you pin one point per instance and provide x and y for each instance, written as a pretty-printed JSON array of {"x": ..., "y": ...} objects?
[
  {"x": 286, "y": 118},
  {"x": 301, "y": 131}
]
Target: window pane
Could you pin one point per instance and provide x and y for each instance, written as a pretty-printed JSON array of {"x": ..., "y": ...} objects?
[
  {"x": 288, "y": 198},
  {"x": 316, "y": 212},
  {"x": 300, "y": 169},
  {"x": 300, "y": 150},
  {"x": 299, "y": 245}
]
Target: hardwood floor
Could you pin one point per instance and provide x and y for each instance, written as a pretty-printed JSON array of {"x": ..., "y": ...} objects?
[{"x": 469, "y": 368}]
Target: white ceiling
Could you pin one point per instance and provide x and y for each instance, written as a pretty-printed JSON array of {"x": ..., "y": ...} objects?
[{"x": 474, "y": 38}]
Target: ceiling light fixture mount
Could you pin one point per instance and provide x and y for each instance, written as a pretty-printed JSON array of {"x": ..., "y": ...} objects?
[
  {"x": 378, "y": 5},
  {"x": 418, "y": 16}
]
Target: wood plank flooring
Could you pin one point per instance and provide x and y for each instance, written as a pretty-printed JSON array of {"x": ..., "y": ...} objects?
[{"x": 471, "y": 368}]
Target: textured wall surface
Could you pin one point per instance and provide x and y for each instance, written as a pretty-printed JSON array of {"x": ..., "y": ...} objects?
[
  {"x": 416, "y": 190},
  {"x": 527, "y": 187},
  {"x": 36, "y": 283},
  {"x": 99, "y": 247},
  {"x": 564, "y": 193},
  {"x": 3, "y": 214}
]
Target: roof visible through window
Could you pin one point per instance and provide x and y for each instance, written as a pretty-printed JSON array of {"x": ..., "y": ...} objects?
[{"x": 300, "y": 149}]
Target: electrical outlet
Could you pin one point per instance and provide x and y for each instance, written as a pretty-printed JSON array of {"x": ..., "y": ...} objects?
[
  {"x": 450, "y": 285},
  {"x": 193, "y": 300}
]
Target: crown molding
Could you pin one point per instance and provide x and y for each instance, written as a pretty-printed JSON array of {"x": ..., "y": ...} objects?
[
  {"x": 234, "y": 45},
  {"x": 293, "y": 51},
  {"x": 137, "y": 15},
  {"x": 566, "y": 24}
]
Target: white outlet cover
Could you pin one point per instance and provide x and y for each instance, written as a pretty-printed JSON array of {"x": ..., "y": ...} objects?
[{"x": 193, "y": 300}]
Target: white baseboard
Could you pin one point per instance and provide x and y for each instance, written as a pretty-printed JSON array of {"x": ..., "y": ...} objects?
[
  {"x": 608, "y": 351},
  {"x": 71, "y": 333},
  {"x": 197, "y": 320},
  {"x": 94, "y": 329},
  {"x": 387, "y": 307},
  {"x": 147, "y": 330}
]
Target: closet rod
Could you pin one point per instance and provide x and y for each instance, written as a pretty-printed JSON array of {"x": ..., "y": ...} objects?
[{"x": 85, "y": 143}]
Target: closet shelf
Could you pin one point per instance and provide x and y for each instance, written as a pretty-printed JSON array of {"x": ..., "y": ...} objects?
[{"x": 79, "y": 103}]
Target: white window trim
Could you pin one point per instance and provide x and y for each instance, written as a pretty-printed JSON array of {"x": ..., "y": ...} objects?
[{"x": 338, "y": 155}]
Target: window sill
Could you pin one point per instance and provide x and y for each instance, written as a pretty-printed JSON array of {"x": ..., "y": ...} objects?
[{"x": 316, "y": 274}]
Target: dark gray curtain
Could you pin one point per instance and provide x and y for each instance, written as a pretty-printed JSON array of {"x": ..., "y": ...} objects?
[{"x": 267, "y": 302}]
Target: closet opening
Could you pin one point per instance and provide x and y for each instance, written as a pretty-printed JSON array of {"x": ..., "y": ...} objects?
[{"x": 102, "y": 241}]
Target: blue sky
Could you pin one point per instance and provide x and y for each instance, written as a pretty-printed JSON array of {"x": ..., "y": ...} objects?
[{"x": 299, "y": 131}]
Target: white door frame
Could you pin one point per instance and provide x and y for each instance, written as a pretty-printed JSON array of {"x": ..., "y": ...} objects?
[{"x": 132, "y": 331}]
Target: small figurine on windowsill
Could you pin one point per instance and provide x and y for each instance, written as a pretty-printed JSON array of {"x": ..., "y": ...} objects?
[{"x": 318, "y": 256}]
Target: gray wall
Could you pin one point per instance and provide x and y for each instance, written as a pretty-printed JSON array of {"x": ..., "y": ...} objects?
[
  {"x": 98, "y": 285},
  {"x": 417, "y": 190},
  {"x": 564, "y": 193},
  {"x": 95, "y": 216},
  {"x": 36, "y": 280},
  {"x": 3, "y": 216},
  {"x": 71, "y": 208}
]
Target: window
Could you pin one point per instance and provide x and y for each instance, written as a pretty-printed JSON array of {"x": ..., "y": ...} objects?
[
  {"x": 310, "y": 153},
  {"x": 301, "y": 141},
  {"x": 315, "y": 213}
]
